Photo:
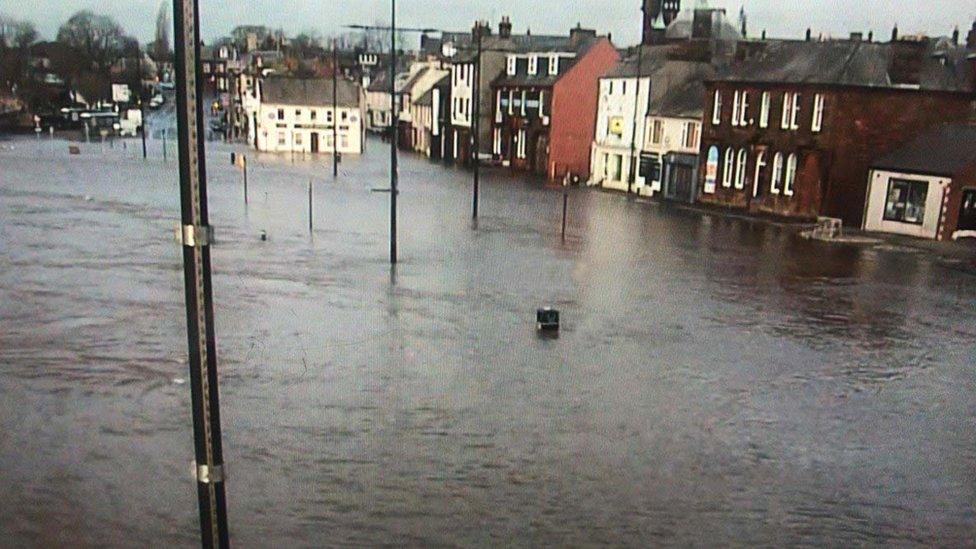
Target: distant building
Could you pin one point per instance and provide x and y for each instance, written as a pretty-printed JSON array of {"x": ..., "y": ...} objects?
[
  {"x": 296, "y": 115},
  {"x": 423, "y": 76},
  {"x": 545, "y": 106},
  {"x": 791, "y": 129},
  {"x": 494, "y": 52},
  {"x": 926, "y": 188},
  {"x": 431, "y": 115},
  {"x": 648, "y": 127}
]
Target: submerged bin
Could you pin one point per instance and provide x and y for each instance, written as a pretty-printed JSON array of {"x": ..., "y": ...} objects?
[{"x": 547, "y": 319}]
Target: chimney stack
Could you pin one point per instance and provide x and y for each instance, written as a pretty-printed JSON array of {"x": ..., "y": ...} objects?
[
  {"x": 505, "y": 28},
  {"x": 955, "y": 36},
  {"x": 809, "y": 34},
  {"x": 971, "y": 38},
  {"x": 894, "y": 34},
  {"x": 870, "y": 36}
]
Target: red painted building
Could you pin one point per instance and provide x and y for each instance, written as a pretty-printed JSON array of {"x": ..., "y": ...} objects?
[
  {"x": 792, "y": 128},
  {"x": 545, "y": 106}
]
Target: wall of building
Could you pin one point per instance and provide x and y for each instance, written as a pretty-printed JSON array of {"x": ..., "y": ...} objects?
[
  {"x": 620, "y": 111},
  {"x": 574, "y": 109},
  {"x": 673, "y": 132},
  {"x": 877, "y": 200},
  {"x": 859, "y": 125},
  {"x": 293, "y": 131}
]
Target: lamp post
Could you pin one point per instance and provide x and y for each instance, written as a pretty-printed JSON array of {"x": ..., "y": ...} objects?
[
  {"x": 632, "y": 178},
  {"x": 335, "y": 110},
  {"x": 394, "y": 176},
  {"x": 476, "y": 149}
]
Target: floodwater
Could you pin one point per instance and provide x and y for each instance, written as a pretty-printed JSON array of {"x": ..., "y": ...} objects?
[{"x": 715, "y": 381}]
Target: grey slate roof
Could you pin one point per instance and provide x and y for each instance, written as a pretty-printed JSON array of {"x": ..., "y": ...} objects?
[
  {"x": 853, "y": 63},
  {"x": 315, "y": 92},
  {"x": 945, "y": 151},
  {"x": 545, "y": 80},
  {"x": 427, "y": 99},
  {"x": 677, "y": 86}
]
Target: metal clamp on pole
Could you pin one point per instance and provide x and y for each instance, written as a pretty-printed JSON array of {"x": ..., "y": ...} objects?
[
  {"x": 207, "y": 474},
  {"x": 195, "y": 236}
]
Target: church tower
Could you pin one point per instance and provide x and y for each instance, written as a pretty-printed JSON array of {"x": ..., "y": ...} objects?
[{"x": 658, "y": 14}]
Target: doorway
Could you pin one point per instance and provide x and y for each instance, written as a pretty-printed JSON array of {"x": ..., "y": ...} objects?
[
  {"x": 967, "y": 211},
  {"x": 315, "y": 142}
]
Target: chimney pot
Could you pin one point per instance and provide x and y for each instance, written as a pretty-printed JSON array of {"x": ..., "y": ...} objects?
[
  {"x": 809, "y": 34},
  {"x": 894, "y": 34}
]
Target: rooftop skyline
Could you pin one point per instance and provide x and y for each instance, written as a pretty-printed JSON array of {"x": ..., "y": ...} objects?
[{"x": 621, "y": 18}]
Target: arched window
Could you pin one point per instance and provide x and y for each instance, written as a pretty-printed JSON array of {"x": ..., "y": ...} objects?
[
  {"x": 728, "y": 167},
  {"x": 777, "y": 179},
  {"x": 790, "y": 175},
  {"x": 760, "y": 166},
  {"x": 740, "y": 172}
]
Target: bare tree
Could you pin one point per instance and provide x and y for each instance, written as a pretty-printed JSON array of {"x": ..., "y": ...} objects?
[
  {"x": 15, "y": 33},
  {"x": 160, "y": 47},
  {"x": 99, "y": 37}
]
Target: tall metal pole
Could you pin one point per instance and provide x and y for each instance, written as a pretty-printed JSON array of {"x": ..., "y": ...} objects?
[
  {"x": 632, "y": 178},
  {"x": 393, "y": 135},
  {"x": 196, "y": 239},
  {"x": 477, "y": 123},
  {"x": 142, "y": 103},
  {"x": 335, "y": 110}
]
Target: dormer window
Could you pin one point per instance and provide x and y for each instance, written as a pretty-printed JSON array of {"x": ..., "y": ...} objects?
[
  {"x": 511, "y": 65},
  {"x": 533, "y": 64},
  {"x": 553, "y": 65}
]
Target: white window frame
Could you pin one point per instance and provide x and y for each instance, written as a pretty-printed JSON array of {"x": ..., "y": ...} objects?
[
  {"x": 787, "y": 109},
  {"x": 744, "y": 110},
  {"x": 553, "y": 65},
  {"x": 533, "y": 64},
  {"x": 520, "y": 148},
  {"x": 760, "y": 164},
  {"x": 524, "y": 97},
  {"x": 717, "y": 108},
  {"x": 742, "y": 162},
  {"x": 818, "y": 113},
  {"x": 735, "y": 109},
  {"x": 511, "y": 101},
  {"x": 764, "y": 110},
  {"x": 728, "y": 167},
  {"x": 542, "y": 95},
  {"x": 690, "y": 129},
  {"x": 790, "y": 179},
  {"x": 776, "y": 179},
  {"x": 795, "y": 115},
  {"x": 498, "y": 106},
  {"x": 510, "y": 68}
]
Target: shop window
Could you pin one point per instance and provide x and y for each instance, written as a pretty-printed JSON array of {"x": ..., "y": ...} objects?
[{"x": 906, "y": 201}]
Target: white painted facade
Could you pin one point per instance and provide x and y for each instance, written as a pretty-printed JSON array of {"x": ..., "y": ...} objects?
[
  {"x": 666, "y": 135},
  {"x": 290, "y": 128},
  {"x": 878, "y": 216},
  {"x": 621, "y": 117},
  {"x": 462, "y": 94},
  {"x": 435, "y": 71}
]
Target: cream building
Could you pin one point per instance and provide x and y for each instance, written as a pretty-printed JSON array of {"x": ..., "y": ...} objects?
[{"x": 300, "y": 115}]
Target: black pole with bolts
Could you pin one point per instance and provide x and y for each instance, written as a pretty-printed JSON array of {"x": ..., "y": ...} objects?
[
  {"x": 335, "y": 110},
  {"x": 476, "y": 152},
  {"x": 196, "y": 239}
]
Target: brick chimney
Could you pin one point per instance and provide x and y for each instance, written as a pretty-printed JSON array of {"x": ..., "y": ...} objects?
[
  {"x": 894, "y": 34},
  {"x": 505, "y": 28},
  {"x": 578, "y": 34},
  {"x": 971, "y": 38}
]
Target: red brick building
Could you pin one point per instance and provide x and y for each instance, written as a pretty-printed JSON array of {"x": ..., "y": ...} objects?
[
  {"x": 545, "y": 106},
  {"x": 792, "y": 128}
]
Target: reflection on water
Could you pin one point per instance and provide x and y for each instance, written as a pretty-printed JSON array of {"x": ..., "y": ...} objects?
[{"x": 714, "y": 378}]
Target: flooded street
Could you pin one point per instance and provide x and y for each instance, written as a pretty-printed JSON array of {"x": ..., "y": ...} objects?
[{"x": 715, "y": 378}]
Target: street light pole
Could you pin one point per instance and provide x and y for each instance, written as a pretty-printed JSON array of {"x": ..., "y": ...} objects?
[
  {"x": 393, "y": 136},
  {"x": 477, "y": 122},
  {"x": 196, "y": 238},
  {"x": 335, "y": 110},
  {"x": 632, "y": 178}
]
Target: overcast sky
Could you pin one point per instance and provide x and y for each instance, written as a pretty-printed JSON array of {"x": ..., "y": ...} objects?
[{"x": 782, "y": 18}]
